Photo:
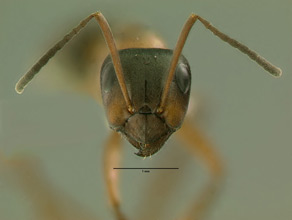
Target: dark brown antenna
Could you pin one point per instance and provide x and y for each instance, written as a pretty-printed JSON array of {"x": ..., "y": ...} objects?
[
  {"x": 275, "y": 71},
  {"x": 107, "y": 33}
]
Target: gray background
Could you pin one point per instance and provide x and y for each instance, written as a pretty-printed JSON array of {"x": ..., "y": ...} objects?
[{"x": 245, "y": 112}]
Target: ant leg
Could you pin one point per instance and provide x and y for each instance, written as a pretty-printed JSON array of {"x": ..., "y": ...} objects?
[
  {"x": 112, "y": 156},
  {"x": 48, "y": 202},
  {"x": 198, "y": 209},
  {"x": 26, "y": 174},
  {"x": 199, "y": 146}
]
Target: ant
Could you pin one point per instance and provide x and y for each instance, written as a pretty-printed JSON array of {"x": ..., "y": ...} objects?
[{"x": 145, "y": 89}]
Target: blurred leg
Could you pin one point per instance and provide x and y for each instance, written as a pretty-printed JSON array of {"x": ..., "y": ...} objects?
[
  {"x": 112, "y": 156},
  {"x": 48, "y": 203},
  {"x": 26, "y": 173},
  {"x": 199, "y": 146}
]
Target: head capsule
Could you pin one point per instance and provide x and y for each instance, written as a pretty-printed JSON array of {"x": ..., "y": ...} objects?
[{"x": 145, "y": 72}]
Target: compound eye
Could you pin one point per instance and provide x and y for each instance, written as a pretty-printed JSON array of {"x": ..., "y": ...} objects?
[
  {"x": 108, "y": 77},
  {"x": 183, "y": 77}
]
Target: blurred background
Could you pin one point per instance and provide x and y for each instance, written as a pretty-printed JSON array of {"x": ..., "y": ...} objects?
[{"x": 245, "y": 112}]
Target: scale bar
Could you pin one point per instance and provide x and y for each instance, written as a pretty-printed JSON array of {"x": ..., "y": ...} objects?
[{"x": 145, "y": 168}]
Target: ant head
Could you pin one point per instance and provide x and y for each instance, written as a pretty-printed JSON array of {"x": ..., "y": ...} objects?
[
  {"x": 145, "y": 72},
  {"x": 145, "y": 91}
]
